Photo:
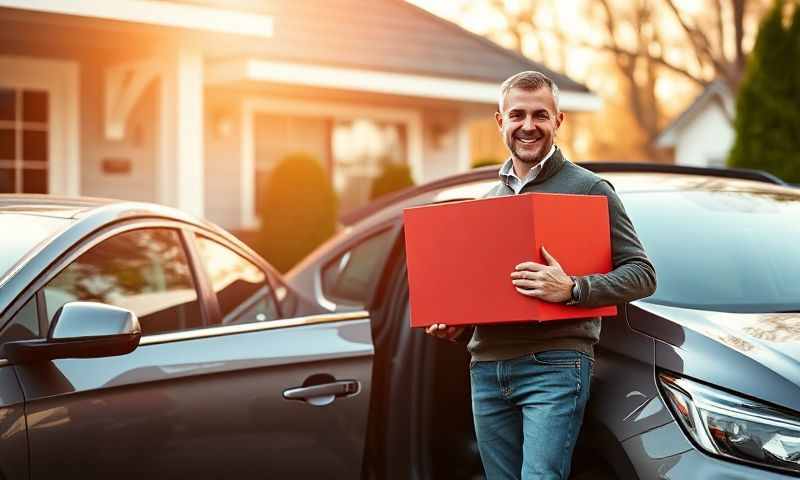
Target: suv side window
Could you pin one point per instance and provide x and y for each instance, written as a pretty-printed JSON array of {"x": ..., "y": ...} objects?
[
  {"x": 145, "y": 271},
  {"x": 24, "y": 325},
  {"x": 243, "y": 292},
  {"x": 348, "y": 278}
]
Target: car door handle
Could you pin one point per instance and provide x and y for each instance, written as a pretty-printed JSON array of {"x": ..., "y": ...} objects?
[{"x": 323, "y": 394}]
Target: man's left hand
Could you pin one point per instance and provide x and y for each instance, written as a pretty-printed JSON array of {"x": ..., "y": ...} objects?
[{"x": 545, "y": 282}]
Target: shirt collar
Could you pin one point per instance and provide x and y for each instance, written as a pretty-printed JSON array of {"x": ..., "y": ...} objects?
[{"x": 508, "y": 175}]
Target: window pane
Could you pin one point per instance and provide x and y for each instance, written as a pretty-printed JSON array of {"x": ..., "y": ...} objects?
[
  {"x": 34, "y": 145},
  {"x": 349, "y": 278},
  {"x": 7, "y": 145},
  {"x": 7, "y": 180},
  {"x": 34, "y": 181},
  {"x": 8, "y": 102},
  {"x": 24, "y": 325},
  {"x": 144, "y": 271},
  {"x": 34, "y": 106},
  {"x": 242, "y": 290}
]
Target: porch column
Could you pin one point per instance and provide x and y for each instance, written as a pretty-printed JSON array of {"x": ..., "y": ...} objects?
[{"x": 180, "y": 167}]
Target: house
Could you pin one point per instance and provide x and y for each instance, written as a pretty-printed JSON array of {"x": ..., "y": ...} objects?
[
  {"x": 188, "y": 102},
  {"x": 703, "y": 134}
]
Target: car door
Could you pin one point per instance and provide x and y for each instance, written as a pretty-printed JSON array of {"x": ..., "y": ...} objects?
[
  {"x": 220, "y": 385},
  {"x": 23, "y": 325}
]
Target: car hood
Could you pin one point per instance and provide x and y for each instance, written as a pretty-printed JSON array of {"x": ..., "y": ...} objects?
[{"x": 758, "y": 354}]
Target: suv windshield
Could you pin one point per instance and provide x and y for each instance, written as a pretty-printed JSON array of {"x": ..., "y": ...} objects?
[
  {"x": 721, "y": 250},
  {"x": 22, "y": 234}
]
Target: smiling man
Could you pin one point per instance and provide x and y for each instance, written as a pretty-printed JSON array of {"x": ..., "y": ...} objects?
[{"x": 530, "y": 382}]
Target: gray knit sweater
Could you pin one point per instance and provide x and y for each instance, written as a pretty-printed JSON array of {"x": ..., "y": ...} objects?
[{"x": 632, "y": 277}]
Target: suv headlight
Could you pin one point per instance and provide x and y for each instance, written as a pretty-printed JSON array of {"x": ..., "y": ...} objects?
[{"x": 734, "y": 427}]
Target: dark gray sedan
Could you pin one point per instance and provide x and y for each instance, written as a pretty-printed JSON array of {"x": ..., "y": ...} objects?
[
  {"x": 700, "y": 380},
  {"x": 140, "y": 342}
]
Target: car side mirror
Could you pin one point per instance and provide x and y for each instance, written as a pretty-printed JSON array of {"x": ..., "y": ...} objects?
[{"x": 81, "y": 330}]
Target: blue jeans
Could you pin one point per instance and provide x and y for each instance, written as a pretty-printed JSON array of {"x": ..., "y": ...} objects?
[{"x": 528, "y": 412}]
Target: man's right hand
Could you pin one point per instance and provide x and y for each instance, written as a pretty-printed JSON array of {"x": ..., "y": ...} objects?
[{"x": 440, "y": 330}]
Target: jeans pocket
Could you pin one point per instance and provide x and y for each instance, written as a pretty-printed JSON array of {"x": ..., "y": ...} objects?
[{"x": 558, "y": 358}]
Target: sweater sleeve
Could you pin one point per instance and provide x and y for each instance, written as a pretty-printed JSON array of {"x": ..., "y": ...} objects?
[{"x": 633, "y": 276}]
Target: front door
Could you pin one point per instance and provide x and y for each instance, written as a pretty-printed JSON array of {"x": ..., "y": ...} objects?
[{"x": 220, "y": 387}]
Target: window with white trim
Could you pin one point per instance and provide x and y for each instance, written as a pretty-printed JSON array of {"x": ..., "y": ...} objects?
[{"x": 24, "y": 149}]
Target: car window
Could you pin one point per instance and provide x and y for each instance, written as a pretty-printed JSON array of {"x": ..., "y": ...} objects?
[
  {"x": 29, "y": 231},
  {"x": 731, "y": 251},
  {"x": 145, "y": 271},
  {"x": 349, "y": 277},
  {"x": 24, "y": 325},
  {"x": 242, "y": 290}
]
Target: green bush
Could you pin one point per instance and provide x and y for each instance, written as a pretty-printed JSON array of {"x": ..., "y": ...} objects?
[
  {"x": 393, "y": 177},
  {"x": 298, "y": 210},
  {"x": 486, "y": 161},
  {"x": 768, "y": 105}
]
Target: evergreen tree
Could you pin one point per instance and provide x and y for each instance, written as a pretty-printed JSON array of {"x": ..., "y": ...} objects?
[
  {"x": 768, "y": 106},
  {"x": 299, "y": 210}
]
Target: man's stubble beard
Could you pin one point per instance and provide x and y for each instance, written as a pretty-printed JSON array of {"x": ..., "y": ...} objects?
[{"x": 533, "y": 161}]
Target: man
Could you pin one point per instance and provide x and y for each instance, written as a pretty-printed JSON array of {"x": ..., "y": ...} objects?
[{"x": 530, "y": 382}]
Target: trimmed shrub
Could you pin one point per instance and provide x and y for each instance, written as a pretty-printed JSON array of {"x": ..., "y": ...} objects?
[
  {"x": 394, "y": 177},
  {"x": 299, "y": 210},
  {"x": 768, "y": 105}
]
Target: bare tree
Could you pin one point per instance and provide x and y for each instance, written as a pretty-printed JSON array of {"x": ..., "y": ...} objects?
[{"x": 712, "y": 45}]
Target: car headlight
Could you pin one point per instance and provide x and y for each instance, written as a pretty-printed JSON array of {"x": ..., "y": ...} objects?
[{"x": 734, "y": 427}]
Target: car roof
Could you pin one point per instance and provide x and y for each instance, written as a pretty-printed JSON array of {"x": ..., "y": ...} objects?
[
  {"x": 77, "y": 208},
  {"x": 627, "y": 178}
]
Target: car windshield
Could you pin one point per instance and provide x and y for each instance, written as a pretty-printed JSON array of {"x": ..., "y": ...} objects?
[
  {"x": 22, "y": 233},
  {"x": 728, "y": 251}
]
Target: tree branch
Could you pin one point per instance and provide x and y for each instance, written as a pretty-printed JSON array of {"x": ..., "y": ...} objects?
[{"x": 659, "y": 59}]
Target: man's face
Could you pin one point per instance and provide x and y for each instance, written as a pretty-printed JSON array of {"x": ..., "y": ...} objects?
[{"x": 529, "y": 123}]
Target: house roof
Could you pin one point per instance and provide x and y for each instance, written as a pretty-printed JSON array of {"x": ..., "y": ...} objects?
[
  {"x": 716, "y": 91},
  {"x": 383, "y": 35}
]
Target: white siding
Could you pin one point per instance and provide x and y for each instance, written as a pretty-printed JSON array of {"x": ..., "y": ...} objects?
[
  {"x": 138, "y": 146},
  {"x": 706, "y": 139}
]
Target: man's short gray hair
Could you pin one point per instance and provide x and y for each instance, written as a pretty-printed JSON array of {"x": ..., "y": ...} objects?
[{"x": 528, "y": 80}]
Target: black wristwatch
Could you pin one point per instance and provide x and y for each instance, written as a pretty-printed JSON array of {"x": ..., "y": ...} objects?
[{"x": 576, "y": 293}]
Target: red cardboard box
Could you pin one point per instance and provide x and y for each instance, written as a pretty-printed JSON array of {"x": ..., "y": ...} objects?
[{"x": 460, "y": 255}]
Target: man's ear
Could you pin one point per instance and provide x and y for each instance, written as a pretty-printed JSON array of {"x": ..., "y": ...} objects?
[
  {"x": 498, "y": 117},
  {"x": 559, "y": 119}
]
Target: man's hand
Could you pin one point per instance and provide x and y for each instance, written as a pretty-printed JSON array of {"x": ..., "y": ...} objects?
[
  {"x": 440, "y": 330},
  {"x": 545, "y": 282}
]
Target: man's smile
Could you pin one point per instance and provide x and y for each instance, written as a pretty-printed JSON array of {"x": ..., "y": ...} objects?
[{"x": 527, "y": 141}]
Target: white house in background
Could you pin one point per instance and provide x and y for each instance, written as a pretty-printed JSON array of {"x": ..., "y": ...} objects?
[
  {"x": 703, "y": 134},
  {"x": 189, "y": 103}
]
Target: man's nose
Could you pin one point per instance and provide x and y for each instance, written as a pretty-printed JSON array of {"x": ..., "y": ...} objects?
[{"x": 528, "y": 123}]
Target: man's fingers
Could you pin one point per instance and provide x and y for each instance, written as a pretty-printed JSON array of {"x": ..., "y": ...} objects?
[
  {"x": 528, "y": 284},
  {"x": 532, "y": 266},
  {"x": 527, "y": 275},
  {"x": 530, "y": 292},
  {"x": 551, "y": 260}
]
